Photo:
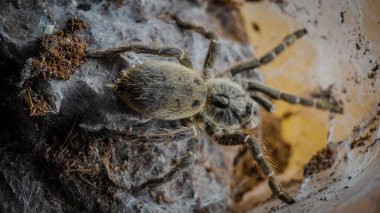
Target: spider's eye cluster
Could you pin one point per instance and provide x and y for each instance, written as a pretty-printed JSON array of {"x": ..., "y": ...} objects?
[
  {"x": 229, "y": 106},
  {"x": 220, "y": 101},
  {"x": 246, "y": 108}
]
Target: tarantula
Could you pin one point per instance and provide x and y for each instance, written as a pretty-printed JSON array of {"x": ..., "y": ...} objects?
[{"x": 171, "y": 91}]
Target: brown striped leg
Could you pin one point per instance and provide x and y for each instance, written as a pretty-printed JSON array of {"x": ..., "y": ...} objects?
[
  {"x": 164, "y": 135},
  {"x": 161, "y": 51},
  {"x": 214, "y": 46},
  {"x": 267, "y": 170},
  {"x": 265, "y": 103},
  {"x": 257, "y": 153},
  {"x": 240, "y": 155},
  {"x": 267, "y": 58},
  {"x": 185, "y": 162},
  {"x": 292, "y": 99}
]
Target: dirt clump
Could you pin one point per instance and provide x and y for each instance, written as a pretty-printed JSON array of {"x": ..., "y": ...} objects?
[
  {"x": 321, "y": 161},
  {"x": 59, "y": 55},
  {"x": 76, "y": 24}
]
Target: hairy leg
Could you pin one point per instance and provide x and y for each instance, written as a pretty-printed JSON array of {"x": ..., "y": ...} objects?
[
  {"x": 292, "y": 99},
  {"x": 161, "y": 51},
  {"x": 242, "y": 152},
  {"x": 214, "y": 46},
  {"x": 185, "y": 162},
  {"x": 257, "y": 153},
  {"x": 265, "y": 103},
  {"x": 164, "y": 135},
  {"x": 268, "y": 57}
]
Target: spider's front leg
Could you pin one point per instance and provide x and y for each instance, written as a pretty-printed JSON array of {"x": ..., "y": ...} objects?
[
  {"x": 265, "y": 103},
  {"x": 257, "y": 153},
  {"x": 214, "y": 46},
  {"x": 293, "y": 99},
  {"x": 185, "y": 162},
  {"x": 268, "y": 57}
]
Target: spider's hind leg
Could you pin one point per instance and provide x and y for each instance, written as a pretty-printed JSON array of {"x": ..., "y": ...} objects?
[
  {"x": 257, "y": 153},
  {"x": 185, "y": 162},
  {"x": 137, "y": 48},
  {"x": 213, "y": 49}
]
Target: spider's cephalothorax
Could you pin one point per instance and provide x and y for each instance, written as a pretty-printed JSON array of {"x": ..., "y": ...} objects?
[
  {"x": 169, "y": 91},
  {"x": 229, "y": 107}
]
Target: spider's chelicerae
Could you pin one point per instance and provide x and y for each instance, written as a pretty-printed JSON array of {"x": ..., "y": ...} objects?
[{"x": 171, "y": 91}]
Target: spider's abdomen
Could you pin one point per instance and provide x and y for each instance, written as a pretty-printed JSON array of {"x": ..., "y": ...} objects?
[{"x": 162, "y": 90}]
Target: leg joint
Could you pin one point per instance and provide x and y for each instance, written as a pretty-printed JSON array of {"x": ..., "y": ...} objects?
[
  {"x": 247, "y": 138},
  {"x": 195, "y": 131}
]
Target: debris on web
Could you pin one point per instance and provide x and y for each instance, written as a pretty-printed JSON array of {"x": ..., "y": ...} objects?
[
  {"x": 37, "y": 104},
  {"x": 321, "y": 161}
]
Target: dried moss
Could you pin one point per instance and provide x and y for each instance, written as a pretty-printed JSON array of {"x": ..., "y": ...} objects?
[
  {"x": 37, "y": 104},
  {"x": 59, "y": 55},
  {"x": 85, "y": 162}
]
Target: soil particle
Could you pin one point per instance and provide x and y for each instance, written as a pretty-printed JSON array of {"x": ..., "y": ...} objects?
[
  {"x": 357, "y": 46},
  {"x": 342, "y": 17},
  {"x": 256, "y": 27},
  {"x": 372, "y": 75},
  {"x": 359, "y": 142},
  {"x": 75, "y": 24},
  {"x": 374, "y": 69}
]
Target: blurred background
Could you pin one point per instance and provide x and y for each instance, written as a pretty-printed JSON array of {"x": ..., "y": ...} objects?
[{"x": 338, "y": 59}]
